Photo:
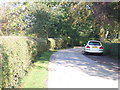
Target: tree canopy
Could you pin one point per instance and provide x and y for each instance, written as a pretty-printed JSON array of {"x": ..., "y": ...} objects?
[{"x": 77, "y": 21}]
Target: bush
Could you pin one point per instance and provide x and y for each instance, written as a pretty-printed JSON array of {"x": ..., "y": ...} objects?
[
  {"x": 112, "y": 49},
  {"x": 85, "y": 40},
  {"x": 116, "y": 41},
  {"x": 17, "y": 55},
  {"x": 57, "y": 43}
]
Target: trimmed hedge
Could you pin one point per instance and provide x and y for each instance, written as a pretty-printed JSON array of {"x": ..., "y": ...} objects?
[
  {"x": 17, "y": 54},
  {"x": 57, "y": 43},
  {"x": 112, "y": 49}
]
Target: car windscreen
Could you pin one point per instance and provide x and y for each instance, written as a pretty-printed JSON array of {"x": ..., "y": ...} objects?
[{"x": 94, "y": 43}]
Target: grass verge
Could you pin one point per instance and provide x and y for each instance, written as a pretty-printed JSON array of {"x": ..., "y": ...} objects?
[
  {"x": 0, "y": 76},
  {"x": 38, "y": 74}
]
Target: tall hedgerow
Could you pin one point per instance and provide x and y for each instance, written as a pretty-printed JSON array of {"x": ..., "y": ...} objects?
[{"x": 17, "y": 54}]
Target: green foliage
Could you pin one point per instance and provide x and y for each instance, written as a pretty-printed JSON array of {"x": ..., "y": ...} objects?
[
  {"x": 0, "y": 76},
  {"x": 57, "y": 43},
  {"x": 78, "y": 22},
  {"x": 17, "y": 57},
  {"x": 107, "y": 19},
  {"x": 83, "y": 41},
  {"x": 112, "y": 49},
  {"x": 70, "y": 20},
  {"x": 116, "y": 41},
  {"x": 37, "y": 76},
  {"x": 34, "y": 19},
  {"x": 13, "y": 19},
  {"x": 52, "y": 43}
]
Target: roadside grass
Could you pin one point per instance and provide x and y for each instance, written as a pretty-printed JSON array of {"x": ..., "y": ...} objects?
[
  {"x": 0, "y": 76},
  {"x": 38, "y": 75}
]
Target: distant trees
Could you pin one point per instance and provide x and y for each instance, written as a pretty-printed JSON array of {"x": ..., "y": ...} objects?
[
  {"x": 79, "y": 17},
  {"x": 13, "y": 18},
  {"x": 32, "y": 19},
  {"x": 95, "y": 20},
  {"x": 70, "y": 20},
  {"x": 107, "y": 17}
]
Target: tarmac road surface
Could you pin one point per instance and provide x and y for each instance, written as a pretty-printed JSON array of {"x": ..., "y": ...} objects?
[{"x": 69, "y": 68}]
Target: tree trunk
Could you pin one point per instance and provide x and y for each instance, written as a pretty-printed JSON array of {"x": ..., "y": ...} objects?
[
  {"x": 119, "y": 35},
  {"x": 102, "y": 34},
  {"x": 1, "y": 33},
  {"x": 106, "y": 34}
]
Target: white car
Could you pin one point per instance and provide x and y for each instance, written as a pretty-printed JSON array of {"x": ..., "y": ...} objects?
[{"x": 93, "y": 46}]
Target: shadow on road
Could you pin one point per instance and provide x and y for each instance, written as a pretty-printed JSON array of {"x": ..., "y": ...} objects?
[
  {"x": 112, "y": 63},
  {"x": 85, "y": 64}
]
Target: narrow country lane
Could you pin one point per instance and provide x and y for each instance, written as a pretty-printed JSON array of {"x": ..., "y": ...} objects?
[{"x": 71, "y": 69}]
